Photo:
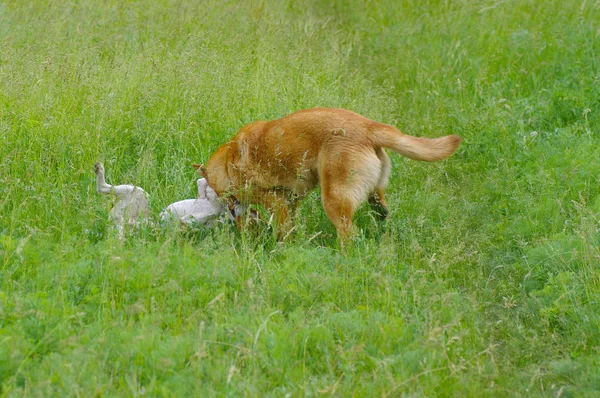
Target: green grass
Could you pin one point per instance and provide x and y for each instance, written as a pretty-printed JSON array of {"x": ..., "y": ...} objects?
[{"x": 484, "y": 281}]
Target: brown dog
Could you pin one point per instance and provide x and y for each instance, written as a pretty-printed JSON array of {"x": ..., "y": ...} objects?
[{"x": 275, "y": 163}]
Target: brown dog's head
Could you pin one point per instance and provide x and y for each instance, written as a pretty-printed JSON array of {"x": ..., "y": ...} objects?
[
  {"x": 216, "y": 173},
  {"x": 221, "y": 171}
]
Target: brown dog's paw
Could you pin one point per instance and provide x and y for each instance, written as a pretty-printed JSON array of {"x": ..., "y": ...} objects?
[{"x": 381, "y": 211}]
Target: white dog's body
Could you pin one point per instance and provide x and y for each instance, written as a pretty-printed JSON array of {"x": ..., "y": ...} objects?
[
  {"x": 131, "y": 206},
  {"x": 190, "y": 211},
  {"x": 202, "y": 210}
]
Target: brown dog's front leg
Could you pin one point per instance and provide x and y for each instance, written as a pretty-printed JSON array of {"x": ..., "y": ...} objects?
[{"x": 276, "y": 203}]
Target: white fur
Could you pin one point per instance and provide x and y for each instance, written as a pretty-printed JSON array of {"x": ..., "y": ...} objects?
[
  {"x": 190, "y": 211},
  {"x": 132, "y": 202},
  {"x": 202, "y": 210}
]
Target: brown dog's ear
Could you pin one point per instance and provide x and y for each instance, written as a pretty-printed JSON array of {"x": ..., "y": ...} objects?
[{"x": 199, "y": 169}]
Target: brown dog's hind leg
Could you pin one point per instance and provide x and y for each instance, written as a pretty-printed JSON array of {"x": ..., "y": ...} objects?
[
  {"x": 377, "y": 198},
  {"x": 346, "y": 180},
  {"x": 378, "y": 204},
  {"x": 339, "y": 210}
]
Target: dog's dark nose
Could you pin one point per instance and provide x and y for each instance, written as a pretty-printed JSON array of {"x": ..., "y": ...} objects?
[{"x": 232, "y": 205}]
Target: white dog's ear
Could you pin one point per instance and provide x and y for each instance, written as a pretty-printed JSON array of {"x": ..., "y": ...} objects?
[{"x": 199, "y": 169}]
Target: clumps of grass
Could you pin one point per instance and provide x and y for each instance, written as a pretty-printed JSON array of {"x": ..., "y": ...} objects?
[{"x": 482, "y": 281}]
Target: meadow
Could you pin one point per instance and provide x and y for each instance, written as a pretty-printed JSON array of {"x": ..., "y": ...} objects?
[{"x": 483, "y": 281}]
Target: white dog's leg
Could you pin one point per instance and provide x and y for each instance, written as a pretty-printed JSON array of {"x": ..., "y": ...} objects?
[
  {"x": 101, "y": 185},
  {"x": 202, "y": 186}
]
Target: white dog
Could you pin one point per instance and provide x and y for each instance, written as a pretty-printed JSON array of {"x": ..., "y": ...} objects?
[{"x": 131, "y": 206}]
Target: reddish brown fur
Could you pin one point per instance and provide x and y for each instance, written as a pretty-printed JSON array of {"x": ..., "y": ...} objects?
[{"x": 276, "y": 163}]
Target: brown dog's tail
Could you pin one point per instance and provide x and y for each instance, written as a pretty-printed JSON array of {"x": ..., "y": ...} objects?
[{"x": 418, "y": 148}]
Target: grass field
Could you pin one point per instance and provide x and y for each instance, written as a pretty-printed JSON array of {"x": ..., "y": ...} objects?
[{"x": 484, "y": 280}]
